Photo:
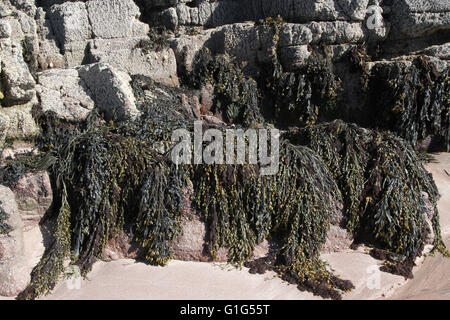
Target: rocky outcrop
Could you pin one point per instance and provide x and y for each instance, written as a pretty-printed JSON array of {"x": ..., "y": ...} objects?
[
  {"x": 110, "y": 32},
  {"x": 64, "y": 93},
  {"x": 17, "y": 89},
  {"x": 415, "y": 19},
  {"x": 110, "y": 89},
  {"x": 217, "y": 13},
  {"x": 18, "y": 84},
  {"x": 22, "y": 125},
  {"x": 71, "y": 94},
  {"x": 67, "y": 58}
]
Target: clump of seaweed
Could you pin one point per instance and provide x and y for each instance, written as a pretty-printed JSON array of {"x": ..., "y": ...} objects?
[
  {"x": 242, "y": 208},
  {"x": 304, "y": 97},
  {"x": 382, "y": 182},
  {"x": 117, "y": 176},
  {"x": 108, "y": 180},
  {"x": 299, "y": 98},
  {"x": 109, "y": 177},
  {"x": 236, "y": 97},
  {"x": 4, "y": 227},
  {"x": 13, "y": 169},
  {"x": 412, "y": 100}
]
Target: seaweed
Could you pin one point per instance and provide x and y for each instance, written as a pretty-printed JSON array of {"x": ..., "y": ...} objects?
[
  {"x": 412, "y": 100},
  {"x": 382, "y": 182},
  {"x": 236, "y": 97},
  {"x": 242, "y": 208},
  {"x": 13, "y": 169},
  {"x": 108, "y": 180},
  {"x": 4, "y": 227},
  {"x": 117, "y": 176},
  {"x": 302, "y": 97}
]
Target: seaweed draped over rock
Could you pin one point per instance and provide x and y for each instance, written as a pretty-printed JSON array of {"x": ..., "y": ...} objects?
[
  {"x": 118, "y": 176},
  {"x": 236, "y": 97},
  {"x": 106, "y": 181},
  {"x": 412, "y": 100},
  {"x": 383, "y": 184},
  {"x": 242, "y": 208}
]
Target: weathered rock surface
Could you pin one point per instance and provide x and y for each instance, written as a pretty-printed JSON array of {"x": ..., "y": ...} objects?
[
  {"x": 22, "y": 125},
  {"x": 4, "y": 126},
  {"x": 33, "y": 193},
  {"x": 18, "y": 83},
  {"x": 110, "y": 32},
  {"x": 110, "y": 89},
  {"x": 14, "y": 275},
  {"x": 64, "y": 93},
  {"x": 217, "y": 13},
  {"x": 128, "y": 55},
  {"x": 71, "y": 94},
  {"x": 419, "y": 18}
]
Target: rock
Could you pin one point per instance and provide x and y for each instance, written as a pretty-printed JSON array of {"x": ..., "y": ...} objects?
[
  {"x": 18, "y": 147},
  {"x": 419, "y": 18},
  {"x": 71, "y": 94},
  {"x": 111, "y": 19},
  {"x": 21, "y": 123},
  {"x": 18, "y": 83},
  {"x": 121, "y": 247},
  {"x": 5, "y": 9},
  {"x": 186, "y": 48},
  {"x": 219, "y": 13},
  {"x": 109, "y": 31},
  {"x": 356, "y": 10},
  {"x": 250, "y": 44},
  {"x": 428, "y": 215},
  {"x": 34, "y": 196},
  {"x": 4, "y": 126},
  {"x": 169, "y": 18},
  {"x": 70, "y": 23},
  {"x": 111, "y": 90},
  {"x": 207, "y": 98},
  {"x": 128, "y": 55},
  {"x": 27, "y": 6},
  {"x": 441, "y": 52},
  {"x": 338, "y": 240},
  {"x": 292, "y": 58},
  {"x": 64, "y": 93},
  {"x": 49, "y": 55},
  {"x": 190, "y": 244},
  {"x": 14, "y": 275},
  {"x": 5, "y": 29}
]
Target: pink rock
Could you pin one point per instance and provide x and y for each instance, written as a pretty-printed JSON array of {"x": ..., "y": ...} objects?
[
  {"x": 14, "y": 274},
  {"x": 34, "y": 196}
]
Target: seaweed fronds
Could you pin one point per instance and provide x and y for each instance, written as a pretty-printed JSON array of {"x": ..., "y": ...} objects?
[
  {"x": 383, "y": 183},
  {"x": 295, "y": 206},
  {"x": 412, "y": 100},
  {"x": 4, "y": 227},
  {"x": 236, "y": 97}
]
